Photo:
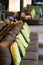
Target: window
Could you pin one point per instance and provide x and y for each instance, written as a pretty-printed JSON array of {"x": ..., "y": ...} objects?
[
  {"x": 26, "y": 2},
  {"x": 14, "y": 5}
]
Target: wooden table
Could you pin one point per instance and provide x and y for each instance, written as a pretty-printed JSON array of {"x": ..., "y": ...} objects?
[{"x": 31, "y": 21}]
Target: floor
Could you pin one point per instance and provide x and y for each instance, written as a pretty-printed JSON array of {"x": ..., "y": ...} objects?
[
  {"x": 40, "y": 63},
  {"x": 39, "y": 30}
]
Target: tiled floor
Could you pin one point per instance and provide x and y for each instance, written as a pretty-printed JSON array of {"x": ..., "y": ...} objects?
[
  {"x": 40, "y": 63},
  {"x": 36, "y": 28},
  {"x": 40, "y": 51},
  {"x": 39, "y": 29}
]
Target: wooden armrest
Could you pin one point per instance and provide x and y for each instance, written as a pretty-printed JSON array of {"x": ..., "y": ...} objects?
[{"x": 4, "y": 44}]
